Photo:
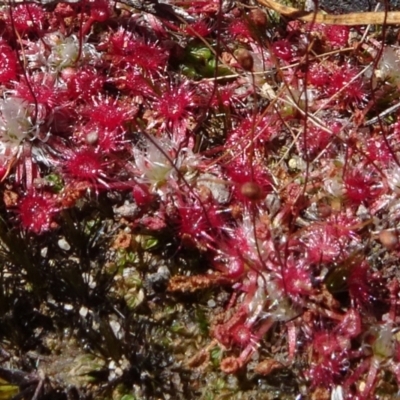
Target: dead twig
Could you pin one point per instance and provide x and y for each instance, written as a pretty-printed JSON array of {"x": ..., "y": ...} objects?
[{"x": 350, "y": 19}]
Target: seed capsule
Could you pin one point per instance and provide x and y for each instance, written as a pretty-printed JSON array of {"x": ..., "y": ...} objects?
[
  {"x": 252, "y": 191},
  {"x": 244, "y": 58},
  {"x": 259, "y": 18}
]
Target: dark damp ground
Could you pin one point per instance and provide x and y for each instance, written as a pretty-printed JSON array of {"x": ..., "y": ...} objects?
[{"x": 85, "y": 314}]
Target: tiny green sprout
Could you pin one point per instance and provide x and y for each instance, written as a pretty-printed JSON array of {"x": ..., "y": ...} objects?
[
  {"x": 201, "y": 62},
  {"x": 149, "y": 243},
  {"x": 202, "y": 322},
  {"x": 217, "y": 389},
  {"x": 163, "y": 338},
  {"x": 85, "y": 368},
  {"x": 133, "y": 298},
  {"x": 89, "y": 226},
  {"x": 121, "y": 392},
  {"x": 132, "y": 280},
  {"x": 208, "y": 71},
  {"x": 216, "y": 356},
  {"x": 55, "y": 182},
  {"x": 200, "y": 53},
  {"x": 177, "y": 327},
  {"x": 189, "y": 71},
  {"x": 126, "y": 258},
  {"x": 220, "y": 384},
  {"x": 128, "y": 397},
  {"x": 169, "y": 310}
]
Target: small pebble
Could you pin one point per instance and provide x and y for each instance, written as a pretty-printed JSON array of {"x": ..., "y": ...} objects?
[
  {"x": 211, "y": 303},
  {"x": 388, "y": 239},
  {"x": 83, "y": 311},
  {"x": 63, "y": 244}
]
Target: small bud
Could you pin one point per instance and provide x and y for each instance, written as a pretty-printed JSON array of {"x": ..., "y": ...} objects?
[
  {"x": 258, "y": 18},
  {"x": 244, "y": 58},
  {"x": 252, "y": 191}
]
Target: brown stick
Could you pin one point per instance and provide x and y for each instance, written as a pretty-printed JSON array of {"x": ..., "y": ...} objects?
[{"x": 351, "y": 19}]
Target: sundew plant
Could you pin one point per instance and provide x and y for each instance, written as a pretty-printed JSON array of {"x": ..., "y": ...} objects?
[{"x": 199, "y": 199}]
